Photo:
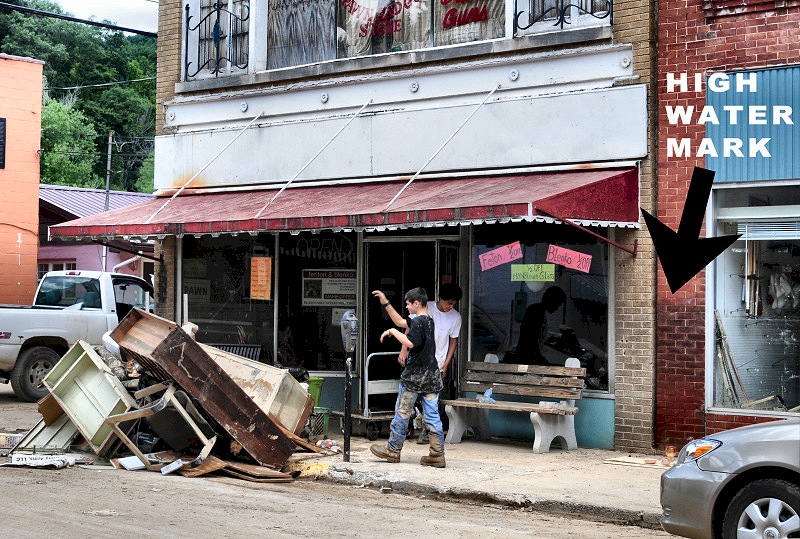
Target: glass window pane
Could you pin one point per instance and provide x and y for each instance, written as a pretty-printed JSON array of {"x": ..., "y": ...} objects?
[
  {"x": 756, "y": 356},
  {"x": 301, "y": 32},
  {"x": 218, "y": 280},
  {"x": 317, "y": 276},
  {"x": 509, "y": 317},
  {"x": 462, "y": 22}
]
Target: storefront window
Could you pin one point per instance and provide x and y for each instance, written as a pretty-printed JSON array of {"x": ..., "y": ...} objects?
[
  {"x": 228, "y": 282},
  {"x": 303, "y": 33},
  {"x": 528, "y": 310},
  {"x": 756, "y": 360},
  {"x": 317, "y": 279}
]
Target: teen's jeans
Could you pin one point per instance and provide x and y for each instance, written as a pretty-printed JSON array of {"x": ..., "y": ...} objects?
[{"x": 430, "y": 412}]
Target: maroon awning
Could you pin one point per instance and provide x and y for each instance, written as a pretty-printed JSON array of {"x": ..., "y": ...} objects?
[{"x": 607, "y": 197}]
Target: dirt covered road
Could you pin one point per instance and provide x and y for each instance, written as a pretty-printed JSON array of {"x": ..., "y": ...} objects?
[{"x": 102, "y": 502}]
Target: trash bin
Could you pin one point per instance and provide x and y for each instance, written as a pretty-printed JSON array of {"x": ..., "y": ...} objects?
[
  {"x": 315, "y": 388},
  {"x": 318, "y": 423}
]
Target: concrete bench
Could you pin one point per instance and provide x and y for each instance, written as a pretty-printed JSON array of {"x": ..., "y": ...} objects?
[{"x": 553, "y": 417}]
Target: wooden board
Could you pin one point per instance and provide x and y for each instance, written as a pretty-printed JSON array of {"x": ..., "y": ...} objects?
[
  {"x": 554, "y": 408},
  {"x": 274, "y": 390},
  {"x": 168, "y": 352},
  {"x": 221, "y": 397}
]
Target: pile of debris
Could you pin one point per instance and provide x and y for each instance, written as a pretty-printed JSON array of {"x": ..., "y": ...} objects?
[{"x": 153, "y": 398}]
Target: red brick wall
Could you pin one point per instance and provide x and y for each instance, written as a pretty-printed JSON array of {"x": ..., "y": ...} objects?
[{"x": 689, "y": 42}]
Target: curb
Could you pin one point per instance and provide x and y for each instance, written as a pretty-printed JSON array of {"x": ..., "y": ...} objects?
[{"x": 594, "y": 513}]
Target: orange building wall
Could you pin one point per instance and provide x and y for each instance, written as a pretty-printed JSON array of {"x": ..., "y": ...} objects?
[{"x": 21, "y": 106}]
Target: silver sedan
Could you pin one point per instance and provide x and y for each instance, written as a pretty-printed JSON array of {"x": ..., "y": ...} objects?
[{"x": 740, "y": 483}]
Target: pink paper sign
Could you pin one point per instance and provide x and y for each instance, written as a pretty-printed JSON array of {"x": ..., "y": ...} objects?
[
  {"x": 501, "y": 255},
  {"x": 571, "y": 259}
]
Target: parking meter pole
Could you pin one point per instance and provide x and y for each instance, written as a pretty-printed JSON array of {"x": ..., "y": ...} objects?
[
  {"x": 348, "y": 387},
  {"x": 349, "y": 339}
]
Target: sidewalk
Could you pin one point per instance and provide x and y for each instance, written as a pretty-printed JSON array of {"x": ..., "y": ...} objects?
[{"x": 584, "y": 483}]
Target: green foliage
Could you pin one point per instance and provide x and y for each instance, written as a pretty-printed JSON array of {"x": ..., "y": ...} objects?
[
  {"x": 68, "y": 152},
  {"x": 145, "y": 184},
  {"x": 77, "y": 56}
]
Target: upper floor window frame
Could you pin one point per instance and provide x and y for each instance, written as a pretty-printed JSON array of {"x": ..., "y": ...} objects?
[{"x": 209, "y": 52}]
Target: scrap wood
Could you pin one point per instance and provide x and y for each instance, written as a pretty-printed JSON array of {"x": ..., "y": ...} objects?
[
  {"x": 182, "y": 359},
  {"x": 257, "y": 474},
  {"x": 210, "y": 464},
  {"x": 305, "y": 444},
  {"x": 286, "y": 479},
  {"x": 645, "y": 462}
]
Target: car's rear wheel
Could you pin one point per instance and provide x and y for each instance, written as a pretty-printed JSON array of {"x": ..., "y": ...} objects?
[
  {"x": 764, "y": 509},
  {"x": 27, "y": 377}
]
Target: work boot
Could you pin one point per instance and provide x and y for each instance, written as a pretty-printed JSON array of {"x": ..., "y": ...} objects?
[
  {"x": 434, "y": 458},
  {"x": 385, "y": 452}
]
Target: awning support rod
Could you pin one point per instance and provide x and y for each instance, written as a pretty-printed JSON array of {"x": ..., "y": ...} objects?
[
  {"x": 190, "y": 180},
  {"x": 453, "y": 134},
  {"x": 282, "y": 189},
  {"x": 595, "y": 234},
  {"x": 131, "y": 251}
]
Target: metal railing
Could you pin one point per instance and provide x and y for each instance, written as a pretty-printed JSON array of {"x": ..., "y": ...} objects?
[
  {"x": 560, "y": 12},
  {"x": 221, "y": 40}
]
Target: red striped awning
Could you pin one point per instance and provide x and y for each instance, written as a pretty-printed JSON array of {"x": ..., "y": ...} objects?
[{"x": 607, "y": 197}]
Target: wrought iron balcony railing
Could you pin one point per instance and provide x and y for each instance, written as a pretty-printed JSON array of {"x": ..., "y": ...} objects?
[
  {"x": 221, "y": 38},
  {"x": 560, "y": 12}
]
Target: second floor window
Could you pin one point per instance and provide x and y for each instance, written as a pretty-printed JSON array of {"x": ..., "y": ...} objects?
[{"x": 221, "y": 35}]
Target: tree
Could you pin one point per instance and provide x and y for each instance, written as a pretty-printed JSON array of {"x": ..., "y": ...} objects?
[
  {"x": 68, "y": 146},
  {"x": 77, "y": 58}
]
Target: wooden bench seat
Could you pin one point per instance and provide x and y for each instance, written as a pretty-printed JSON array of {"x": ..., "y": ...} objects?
[{"x": 553, "y": 417}]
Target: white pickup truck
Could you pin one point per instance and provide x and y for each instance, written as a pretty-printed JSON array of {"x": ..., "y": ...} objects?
[{"x": 69, "y": 305}]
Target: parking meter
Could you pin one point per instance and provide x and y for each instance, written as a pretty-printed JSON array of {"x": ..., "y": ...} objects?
[
  {"x": 349, "y": 331},
  {"x": 349, "y": 338}
]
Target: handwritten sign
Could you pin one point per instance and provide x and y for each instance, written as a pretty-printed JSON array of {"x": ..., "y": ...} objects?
[
  {"x": 501, "y": 255},
  {"x": 571, "y": 259},
  {"x": 261, "y": 278},
  {"x": 533, "y": 272}
]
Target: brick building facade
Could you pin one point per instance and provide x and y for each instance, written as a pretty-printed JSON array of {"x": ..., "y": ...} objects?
[
  {"x": 199, "y": 110},
  {"x": 705, "y": 38}
]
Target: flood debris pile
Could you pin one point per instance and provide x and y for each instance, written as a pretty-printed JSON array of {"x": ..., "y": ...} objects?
[{"x": 153, "y": 398}]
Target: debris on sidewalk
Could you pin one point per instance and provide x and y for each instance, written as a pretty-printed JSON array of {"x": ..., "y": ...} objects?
[
  {"x": 177, "y": 405},
  {"x": 646, "y": 462}
]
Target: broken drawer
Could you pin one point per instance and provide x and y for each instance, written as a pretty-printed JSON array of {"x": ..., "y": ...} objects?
[{"x": 88, "y": 393}]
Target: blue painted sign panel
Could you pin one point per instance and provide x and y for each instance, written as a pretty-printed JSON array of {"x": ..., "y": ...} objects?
[{"x": 756, "y": 135}]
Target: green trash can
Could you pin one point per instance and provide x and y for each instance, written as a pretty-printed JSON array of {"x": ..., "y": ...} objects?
[{"x": 315, "y": 388}]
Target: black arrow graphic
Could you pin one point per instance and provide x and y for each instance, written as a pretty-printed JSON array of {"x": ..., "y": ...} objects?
[{"x": 683, "y": 254}]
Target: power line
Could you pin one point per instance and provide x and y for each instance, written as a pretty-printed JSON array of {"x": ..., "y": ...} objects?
[
  {"x": 40, "y": 13},
  {"x": 100, "y": 85}
]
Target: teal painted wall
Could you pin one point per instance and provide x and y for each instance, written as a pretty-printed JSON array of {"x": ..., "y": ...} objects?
[{"x": 594, "y": 423}]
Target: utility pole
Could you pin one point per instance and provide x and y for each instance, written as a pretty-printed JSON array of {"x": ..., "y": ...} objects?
[{"x": 108, "y": 188}]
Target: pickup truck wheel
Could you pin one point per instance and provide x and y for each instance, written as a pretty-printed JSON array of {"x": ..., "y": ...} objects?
[{"x": 27, "y": 377}]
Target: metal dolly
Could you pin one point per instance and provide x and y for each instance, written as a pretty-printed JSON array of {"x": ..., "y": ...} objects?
[{"x": 373, "y": 419}]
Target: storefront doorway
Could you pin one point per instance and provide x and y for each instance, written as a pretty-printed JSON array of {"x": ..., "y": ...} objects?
[{"x": 395, "y": 266}]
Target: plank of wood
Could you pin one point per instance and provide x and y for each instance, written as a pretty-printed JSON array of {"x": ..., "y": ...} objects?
[
  {"x": 305, "y": 444},
  {"x": 511, "y": 406},
  {"x": 209, "y": 465},
  {"x": 524, "y": 379},
  {"x": 549, "y": 370},
  {"x": 527, "y": 391},
  {"x": 254, "y": 470},
  {"x": 234, "y": 473}
]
